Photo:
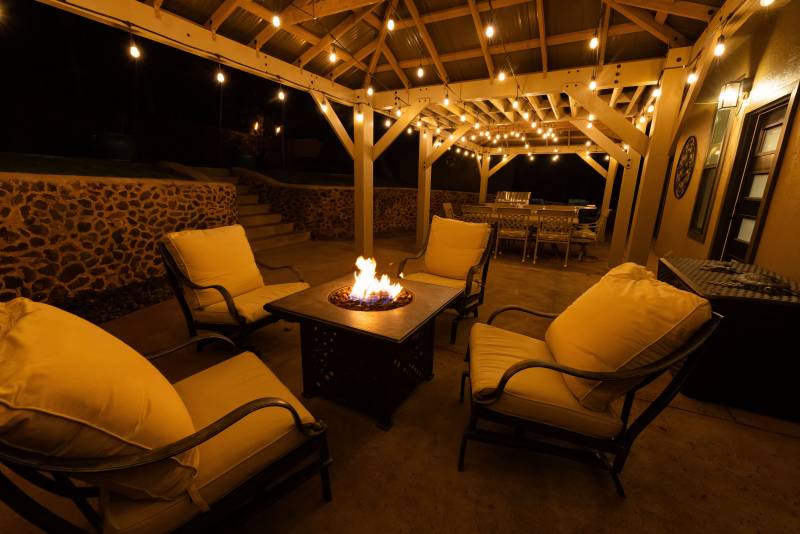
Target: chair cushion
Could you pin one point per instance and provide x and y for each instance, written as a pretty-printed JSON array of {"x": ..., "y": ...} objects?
[
  {"x": 250, "y": 305},
  {"x": 216, "y": 256},
  {"x": 429, "y": 278},
  {"x": 626, "y": 320},
  {"x": 454, "y": 246},
  {"x": 70, "y": 389},
  {"x": 231, "y": 457},
  {"x": 539, "y": 395}
]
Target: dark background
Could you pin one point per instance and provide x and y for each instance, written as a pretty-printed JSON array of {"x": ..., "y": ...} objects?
[{"x": 69, "y": 88}]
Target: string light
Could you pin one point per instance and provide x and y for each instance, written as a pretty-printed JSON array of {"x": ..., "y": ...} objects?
[
  {"x": 387, "y": 123},
  {"x": 526, "y": 115},
  {"x": 590, "y": 124},
  {"x": 419, "y": 123},
  {"x": 555, "y": 157},
  {"x": 607, "y": 157},
  {"x": 538, "y": 130},
  {"x": 593, "y": 84},
  {"x": 588, "y": 143},
  {"x": 277, "y": 130},
  {"x": 691, "y": 78},
  {"x": 476, "y": 126},
  {"x": 398, "y": 113},
  {"x": 656, "y": 92},
  {"x": 332, "y": 55},
  {"x": 651, "y": 108},
  {"x": 766, "y": 3},
  {"x": 324, "y": 106},
  {"x": 409, "y": 130},
  {"x": 642, "y": 119},
  {"x": 533, "y": 124},
  {"x": 463, "y": 117},
  {"x": 594, "y": 42},
  {"x": 420, "y": 72},
  {"x": 390, "y": 24},
  {"x": 489, "y": 31},
  {"x": 256, "y": 126},
  {"x": 515, "y": 104},
  {"x": 438, "y": 130},
  {"x": 359, "y": 116},
  {"x": 281, "y": 95},
  {"x": 370, "y": 91},
  {"x": 220, "y": 76},
  {"x": 276, "y": 21},
  {"x": 501, "y": 76},
  {"x": 719, "y": 49},
  {"x": 591, "y": 117}
]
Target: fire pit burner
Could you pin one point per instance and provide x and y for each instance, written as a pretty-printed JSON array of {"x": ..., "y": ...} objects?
[{"x": 341, "y": 297}]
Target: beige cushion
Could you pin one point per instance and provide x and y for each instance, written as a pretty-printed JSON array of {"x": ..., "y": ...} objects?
[
  {"x": 229, "y": 458},
  {"x": 216, "y": 256},
  {"x": 250, "y": 305},
  {"x": 626, "y": 320},
  {"x": 539, "y": 395},
  {"x": 429, "y": 278},
  {"x": 454, "y": 246},
  {"x": 69, "y": 389}
]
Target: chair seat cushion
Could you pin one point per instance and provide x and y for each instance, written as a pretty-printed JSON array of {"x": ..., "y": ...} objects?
[
  {"x": 429, "y": 278},
  {"x": 513, "y": 233},
  {"x": 455, "y": 246},
  {"x": 70, "y": 389},
  {"x": 231, "y": 457},
  {"x": 626, "y": 320},
  {"x": 250, "y": 305},
  {"x": 539, "y": 395}
]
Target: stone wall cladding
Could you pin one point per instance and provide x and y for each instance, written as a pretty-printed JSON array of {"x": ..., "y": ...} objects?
[
  {"x": 66, "y": 240},
  {"x": 328, "y": 211}
]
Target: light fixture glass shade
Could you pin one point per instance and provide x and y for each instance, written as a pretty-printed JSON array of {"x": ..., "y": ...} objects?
[{"x": 729, "y": 95}]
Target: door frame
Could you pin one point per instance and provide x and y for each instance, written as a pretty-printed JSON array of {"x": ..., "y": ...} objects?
[{"x": 747, "y": 136}]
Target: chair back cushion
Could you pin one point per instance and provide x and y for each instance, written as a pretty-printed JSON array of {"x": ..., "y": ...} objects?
[
  {"x": 216, "y": 256},
  {"x": 626, "y": 320},
  {"x": 69, "y": 389},
  {"x": 455, "y": 246}
]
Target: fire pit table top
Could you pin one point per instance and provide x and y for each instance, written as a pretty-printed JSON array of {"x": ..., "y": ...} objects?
[{"x": 392, "y": 325}]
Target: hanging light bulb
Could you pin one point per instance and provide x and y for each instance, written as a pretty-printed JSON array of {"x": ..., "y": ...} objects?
[
  {"x": 438, "y": 130},
  {"x": 220, "y": 77},
  {"x": 555, "y": 157},
  {"x": 593, "y": 84},
  {"x": 555, "y": 139},
  {"x": 594, "y": 42},
  {"x": 766, "y": 3},
  {"x": 489, "y": 31},
  {"x": 691, "y": 78},
  {"x": 590, "y": 124},
  {"x": 501, "y": 75},
  {"x": 324, "y": 106},
  {"x": 591, "y": 117},
  {"x": 409, "y": 130},
  {"x": 463, "y": 117},
  {"x": 657, "y": 92},
  {"x": 458, "y": 150},
  {"x": 476, "y": 126},
  {"x": 277, "y": 130},
  {"x": 472, "y": 137},
  {"x": 533, "y": 124},
  {"x": 446, "y": 100},
  {"x": 281, "y": 95},
  {"x": 387, "y": 123},
  {"x": 134, "y": 51},
  {"x": 588, "y": 143},
  {"x": 398, "y": 112},
  {"x": 538, "y": 130},
  {"x": 515, "y": 104},
  {"x": 719, "y": 48},
  {"x": 530, "y": 157},
  {"x": 450, "y": 137},
  {"x": 276, "y": 21},
  {"x": 370, "y": 91},
  {"x": 390, "y": 24},
  {"x": 642, "y": 119},
  {"x": 420, "y": 72},
  {"x": 651, "y": 108},
  {"x": 607, "y": 157},
  {"x": 256, "y": 126},
  {"x": 526, "y": 115},
  {"x": 419, "y": 123},
  {"x": 332, "y": 55},
  {"x": 359, "y": 116}
]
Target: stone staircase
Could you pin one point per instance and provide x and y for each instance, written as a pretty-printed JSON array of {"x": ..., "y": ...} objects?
[{"x": 265, "y": 230}]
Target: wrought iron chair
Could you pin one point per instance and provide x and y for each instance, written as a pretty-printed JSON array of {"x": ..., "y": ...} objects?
[
  {"x": 513, "y": 224},
  {"x": 549, "y": 393},
  {"x": 456, "y": 254},
  {"x": 478, "y": 214},
  {"x": 448, "y": 210},
  {"x": 553, "y": 227},
  {"x": 217, "y": 281},
  {"x": 242, "y": 411},
  {"x": 586, "y": 233}
]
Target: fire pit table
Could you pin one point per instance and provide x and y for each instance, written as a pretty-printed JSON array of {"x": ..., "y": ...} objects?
[{"x": 369, "y": 360}]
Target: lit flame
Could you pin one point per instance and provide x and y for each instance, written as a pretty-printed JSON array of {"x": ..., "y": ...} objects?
[{"x": 367, "y": 288}]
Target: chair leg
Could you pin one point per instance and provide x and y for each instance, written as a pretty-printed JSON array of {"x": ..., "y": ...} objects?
[
  {"x": 566, "y": 256},
  {"x": 475, "y": 312},
  {"x": 525, "y": 250},
  {"x": 462, "y": 451},
  {"x": 618, "y": 484},
  {"x": 464, "y": 377},
  {"x": 535, "y": 250}
]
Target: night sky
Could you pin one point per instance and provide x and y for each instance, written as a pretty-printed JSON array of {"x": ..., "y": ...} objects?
[{"x": 70, "y": 88}]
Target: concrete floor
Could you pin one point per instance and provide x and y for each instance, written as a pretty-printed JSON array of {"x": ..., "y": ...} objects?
[{"x": 698, "y": 467}]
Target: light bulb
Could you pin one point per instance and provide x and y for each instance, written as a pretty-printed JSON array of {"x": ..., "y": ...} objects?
[
  {"x": 691, "y": 78},
  {"x": 538, "y": 130},
  {"x": 651, "y": 108},
  {"x": 409, "y": 130},
  {"x": 419, "y": 124},
  {"x": 220, "y": 76},
  {"x": 719, "y": 49},
  {"x": 370, "y": 91},
  {"x": 765, "y": 3},
  {"x": 515, "y": 104},
  {"x": 489, "y": 31},
  {"x": 591, "y": 117},
  {"x": 398, "y": 113},
  {"x": 276, "y": 21},
  {"x": 589, "y": 125},
  {"x": 446, "y": 101},
  {"x": 463, "y": 118},
  {"x": 656, "y": 92},
  {"x": 458, "y": 150},
  {"x": 324, "y": 107},
  {"x": 626, "y": 147},
  {"x": 420, "y": 72},
  {"x": 607, "y": 157},
  {"x": 450, "y": 137},
  {"x": 332, "y": 56},
  {"x": 555, "y": 157},
  {"x": 387, "y": 123},
  {"x": 476, "y": 126},
  {"x": 472, "y": 137},
  {"x": 134, "y": 51},
  {"x": 256, "y": 126},
  {"x": 642, "y": 119},
  {"x": 549, "y": 130},
  {"x": 555, "y": 139},
  {"x": 281, "y": 95},
  {"x": 594, "y": 42},
  {"x": 438, "y": 130},
  {"x": 588, "y": 143},
  {"x": 526, "y": 145},
  {"x": 501, "y": 76},
  {"x": 593, "y": 85},
  {"x": 530, "y": 157},
  {"x": 390, "y": 24},
  {"x": 533, "y": 124},
  {"x": 359, "y": 117},
  {"x": 526, "y": 115},
  {"x": 277, "y": 130}
]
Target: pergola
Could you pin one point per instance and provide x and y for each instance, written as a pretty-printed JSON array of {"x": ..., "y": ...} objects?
[{"x": 548, "y": 77}]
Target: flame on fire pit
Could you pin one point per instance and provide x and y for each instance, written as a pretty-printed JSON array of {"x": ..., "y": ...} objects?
[{"x": 368, "y": 289}]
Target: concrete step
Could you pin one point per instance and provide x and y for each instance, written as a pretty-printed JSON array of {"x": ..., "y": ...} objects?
[
  {"x": 242, "y": 189},
  {"x": 244, "y": 200},
  {"x": 258, "y": 220},
  {"x": 279, "y": 240},
  {"x": 268, "y": 230},
  {"x": 253, "y": 209}
]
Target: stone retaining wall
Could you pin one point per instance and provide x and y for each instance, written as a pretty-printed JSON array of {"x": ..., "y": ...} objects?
[
  {"x": 89, "y": 244},
  {"x": 327, "y": 211}
]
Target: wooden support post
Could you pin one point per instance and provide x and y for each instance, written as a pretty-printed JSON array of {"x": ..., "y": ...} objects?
[
  {"x": 623, "y": 214},
  {"x": 483, "y": 168},
  {"x": 333, "y": 119},
  {"x": 609, "y": 187},
  {"x": 363, "y": 186},
  {"x": 502, "y": 163},
  {"x": 409, "y": 114},
  {"x": 596, "y": 166},
  {"x": 655, "y": 163},
  {"x": 423, "y": 188}
]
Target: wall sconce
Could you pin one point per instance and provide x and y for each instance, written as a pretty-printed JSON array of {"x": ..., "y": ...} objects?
[{"x": 732, "y": 93}]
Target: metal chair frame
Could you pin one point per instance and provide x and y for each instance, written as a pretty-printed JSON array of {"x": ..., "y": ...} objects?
[
  {"x": 52, "y": 474},
  {"x": 576, "y": 446},
  {"x": 510, "y": 223},
  {"x": 468, "y": 301},
  {"x": 239, "y": 331},
  {"x": 553, "y": 227},
  {"x": 448, "y": 210},
  {"x": 478, "y": 214}
]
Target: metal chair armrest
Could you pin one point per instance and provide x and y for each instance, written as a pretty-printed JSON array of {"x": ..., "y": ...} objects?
[
  {"x": 292, "y": 268},
  {"x": 191, "y": 340},
  {"x": 43, "y": 462},
  {"x": 401, "y": 267},
  {"x": 504, "y": 309}
]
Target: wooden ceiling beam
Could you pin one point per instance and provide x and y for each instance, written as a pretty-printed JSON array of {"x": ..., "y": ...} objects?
[
  {"x": 219, "y": 16},
  {"x": 456, "y": 12},
  {"x": 646, "y": 21},
  {"x": 601, "y": 52},
  {"x": 362, "y": 53},
  {"x": 689, "y": 10},
  {"x": 295, "y": 14},
  {"x": 269, "y": 31},
  {"x": 501, "y": 107},
  {"x": 336, "y": 33},
  {"x": 542, "y": 33},
  {"x": 534, "y": 102},
  {"x": 426, "y": 39},
  {"x": 634, "y": 99},
  {"x": 382, "y": 32},
  {"x": 615, "y": 97},
  {"x": 555, "y": 104},
  {"x": 476, "y": 20}
]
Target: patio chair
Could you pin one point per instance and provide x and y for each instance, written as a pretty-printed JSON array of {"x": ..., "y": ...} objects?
[
  {"x": 456, "y": 254},
  {"x": 478, "y": 214},
  {"x": 513, "y": 224},
  {"x": 584, "y": 234},
  {"x": 553, "y": 227},
  {"x": 217, "y": 281},
  {"x": 448, "y": 210},
  {"x": 90, "y": 419},
  {"x": 571, "y": 394}
]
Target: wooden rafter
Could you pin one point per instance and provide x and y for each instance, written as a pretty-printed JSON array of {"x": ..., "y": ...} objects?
[
  {"x": 555, "y": 104},
  {"x": 634, "y": 99},
  {"x": 379, "y": 42},
  {"x": 601, "y": 52},
  {"x": 534, "y": 102},
  {"x": 542, "y": 33},
  {"x": 573, "y": 107},
  {"x": 476, "y": 20},
  {"x": 646, "y": 21},
  {"x": 426, "y": 39},
  {"x": 689, "y": 10},
  {"x": 351, "y": 63},
  {"x": 501, "y": 107},
  {"x": 336, "y": 33},
  {"x": 319, "y": 9},
  {"x": 269, "y": 31},
  {"x": 615, "y": 93},
  {"x": 456, "y": 12},
  {"x": 219, "y": 16}
]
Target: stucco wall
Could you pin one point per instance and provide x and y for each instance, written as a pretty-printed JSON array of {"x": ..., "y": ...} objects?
[
  {"x": 767, "y": 48},
  {"x": 89, "y": 244}
]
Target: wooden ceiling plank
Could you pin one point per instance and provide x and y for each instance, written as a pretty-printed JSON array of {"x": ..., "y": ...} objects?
[
  {"x": 382, "y": 32},
  {"x": 336, "y": 33},
  {"x": 601, "y": 53},
  {"x": 351, "y": 63},
  {"x": 542, "y": 33},
  {"x": 426, "y": 39},
  {"x": 476, "y": 20}
]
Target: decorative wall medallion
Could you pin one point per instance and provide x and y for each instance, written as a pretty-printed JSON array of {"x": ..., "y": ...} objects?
[{"x": 685, "y": 166}]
